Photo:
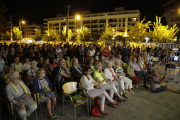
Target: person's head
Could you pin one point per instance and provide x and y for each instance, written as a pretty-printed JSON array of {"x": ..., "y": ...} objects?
[
  {"x": 67, "y": 58},
  {"x": 60, "y": 55},
  {"x": 139, "y": 58},
  {"x": 26, "y": 60},
  {"x": 40, "y": 73},
  {"x": 12, "y": 49},
  {"x": 41, "y": 59},
  {"x": 98, "y": 66},
  {"x": 117, "y": 62},
  {"x": 10, "y": 69},
  {"x": 102, "y": 58},
  {"x": 62, "y": 62},
  {"x": 130, "y": 62},
  {"x": 109, "y": 64},
  {"x": 87, "y": 70},
  {"x": 35, "y": 47},
  {"x": 75, "y": 62},
  {"x": 14, "y": 77},
  {"x": 119, "y": 57},
  {"x": 134, "y": 60},
  {"x": 155, "y": 73},
  {"x": 54, "y": 60},
  {"x": 124, "y": 46},
  {"x": 16, "y": 60},
  {"x": 97, "y": 53},
  {"x": 112, "y": 58},
  {"x": 33, "y": 64},
  {"x": 46, "y": 61},
  {"x": 91, "y": 60}
]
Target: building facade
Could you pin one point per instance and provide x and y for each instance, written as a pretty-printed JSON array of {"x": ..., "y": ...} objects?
[
  {"x": 27, "y": 30},
  {"x": 98, "y": 22}
]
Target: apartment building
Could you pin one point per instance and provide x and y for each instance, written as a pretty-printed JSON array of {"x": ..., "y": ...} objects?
[
  {"x": 27, "y": 30},
  {"x": 97, "y": 22}
]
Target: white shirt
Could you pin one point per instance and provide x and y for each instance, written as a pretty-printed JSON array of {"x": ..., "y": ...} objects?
[
  {"x": 26, "y": 66},
  {"x": 108, "y": 74},
  {"x": 91, "y": 53},
  {"x": 58, "y": 51},
  {"x": 64, "y": 51},
  {"x": 18, "y": 67}
]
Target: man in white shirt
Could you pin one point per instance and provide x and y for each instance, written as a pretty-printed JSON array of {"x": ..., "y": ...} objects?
[{"x": 18, "y": 66}]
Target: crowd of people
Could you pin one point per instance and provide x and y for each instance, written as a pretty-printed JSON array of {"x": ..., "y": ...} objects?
[{"x": 104, "y": 72}]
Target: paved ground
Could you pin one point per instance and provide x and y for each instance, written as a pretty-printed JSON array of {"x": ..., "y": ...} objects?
[{"x": 143, "y": 105}]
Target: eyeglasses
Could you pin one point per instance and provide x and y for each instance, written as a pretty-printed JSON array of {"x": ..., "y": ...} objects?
[{"x": 16, "y": 78}]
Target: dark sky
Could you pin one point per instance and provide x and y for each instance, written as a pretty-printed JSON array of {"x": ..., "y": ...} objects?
[{"x": 34, "y": 11}]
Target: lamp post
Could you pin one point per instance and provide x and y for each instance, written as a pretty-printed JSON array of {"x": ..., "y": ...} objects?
[
  {"x": 21, "y": 22},
  {"x": 76, "y": 17}
]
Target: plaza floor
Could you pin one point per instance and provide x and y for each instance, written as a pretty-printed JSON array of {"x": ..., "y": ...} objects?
[{"x": 143, "y": 105}]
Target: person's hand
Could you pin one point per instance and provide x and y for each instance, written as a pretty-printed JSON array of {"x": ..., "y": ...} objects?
[
  {"x": 21, "y": 107},
  {"x": 64, "y": 66},
  {"x": 49, "y": 90},
  {"x": 115, "y": 77}
]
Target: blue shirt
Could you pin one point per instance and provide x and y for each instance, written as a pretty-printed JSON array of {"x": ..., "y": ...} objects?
[{"x": 135, "y": 66}]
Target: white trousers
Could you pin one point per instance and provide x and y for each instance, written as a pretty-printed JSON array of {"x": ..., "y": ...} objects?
[
  {"x": 102, "y": 94},
  {"x": 110, "y": 87}
]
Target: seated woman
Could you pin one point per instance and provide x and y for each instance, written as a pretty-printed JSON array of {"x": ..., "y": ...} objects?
[
  {"x": 54, "y": 64},
  {"x": 76, "y": 70},
  {"x": 47, "y": 67},
  {"x": 110, "y": 74},
  {"x": 120, "y": 74},
  {"x": 10, "y": 69},
  {"x": 60, "y": 72},
  {"x": 27, "y": 64},
  {"x": 99, "y": 77},
  {"x": 40, "y": 63},
  {"x": 31, "y": 73},
  {"x": 88, "y": 83},
  {"x": 90, "y": 63},
  {"x": 19, "y": 94},
  {"x": 96, "y": 56},
  {"x": 156, "y": 85},
  {"x": 43, "y": 86},
  {"x": 68, "y": 63},
  {"x": 130, "y": 73}
]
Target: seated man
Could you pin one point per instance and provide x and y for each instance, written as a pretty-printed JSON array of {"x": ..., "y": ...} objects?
[
  {"x": 140, "y": 72},
  {"x": 19, "y": 67},
  {"x": 156, "y": 84}
]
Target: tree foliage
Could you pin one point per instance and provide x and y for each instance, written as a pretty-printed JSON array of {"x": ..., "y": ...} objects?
[
  {"x": 139, "y": 31},
  {"x": 64, "y": 36},
  {"x": 83, "y": 35},
  {"x": 52, "y": 36},
  {"x": 107, "y": 35},
  {"x": 17, "y": 34},
  {"x": 38, "y": 36},
  {"x": 163, "y": 34}
]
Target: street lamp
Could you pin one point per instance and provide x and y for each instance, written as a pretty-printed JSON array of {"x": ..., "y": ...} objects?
[
  {"x": 21, "y": 22},
  {"x": 76, "y": 17}
]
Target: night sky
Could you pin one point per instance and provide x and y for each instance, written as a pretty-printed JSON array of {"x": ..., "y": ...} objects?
[{"x": 34, "y": 11}]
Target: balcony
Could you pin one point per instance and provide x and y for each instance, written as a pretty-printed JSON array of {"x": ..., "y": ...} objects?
[{"x": 102, "y": 21}]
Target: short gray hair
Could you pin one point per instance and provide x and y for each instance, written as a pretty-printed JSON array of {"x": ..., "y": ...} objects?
[
  {"x": 119, "y": 56},
  {"x": 117, "y": 61},
  {"x": 111, "y": 57},
  {"x": 129, "y": 61},
  {"x": 33, "y": 63},
  {"x": 108, "y": 63},
  {"x": 11, "y": 75}
]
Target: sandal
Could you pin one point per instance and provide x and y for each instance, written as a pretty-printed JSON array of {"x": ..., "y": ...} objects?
[
  {"x": 111, "y": 105},
  {"x": 123, "y": 100},
  {"x": 53, "y": 118},
  {"x": 124, "y": 95},
  {"x": 104, "y": 113}
]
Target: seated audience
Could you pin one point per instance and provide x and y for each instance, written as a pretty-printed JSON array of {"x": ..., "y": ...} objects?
[
  {"x": 40, "y": 63},
  {"x": 43, "y": 86},
  {"x": 47, "y": 67},
  {"x": 130, "y": 73},
  {"x": 90, "y": 63},
  {"x": 27, "y": 64},
  {"x": 19, "y": 94},
  {"x": 99, "y": 77},
  {"x": 68, "y": 62},
  {"x": 54, "y": 64},
  {"x": 18, "y": 66},
  {"x": 31, "y": 73},
  {"x": 120, "y": 74},
  {"x": 88, "y": 83}
]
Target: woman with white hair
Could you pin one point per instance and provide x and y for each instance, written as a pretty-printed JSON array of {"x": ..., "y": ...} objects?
[
  {"x": 110, "y": 74},
  {"x": 31, "y": 73},
  {"x": 99, "y": 77},
  {"x": 120, "y": 74},
  {"x": 19, "y": 94}
]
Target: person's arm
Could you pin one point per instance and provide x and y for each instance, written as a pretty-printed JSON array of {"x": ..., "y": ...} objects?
[
  {"x": 107, "y": 74},
  {"x": 84, "y": 82},
  {"x": 29, "y": 77},
  {"x": 64, "y": 75},
  {"x": 98, "y": 81}
]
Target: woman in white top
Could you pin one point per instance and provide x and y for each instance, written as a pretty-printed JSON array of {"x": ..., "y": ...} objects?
[
  {"x": 31, "y": 73},
  {"x": 111, "y": 75},
  {"x": 27, "y": 64},
  {"x": 58, "y": 50},
  {"x": 91, "y": 52},
  {"x": 88, "y": 83}
]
